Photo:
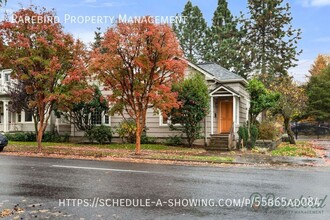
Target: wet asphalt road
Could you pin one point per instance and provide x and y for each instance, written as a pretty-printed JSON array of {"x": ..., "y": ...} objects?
[{"x": 39, "y": 185}]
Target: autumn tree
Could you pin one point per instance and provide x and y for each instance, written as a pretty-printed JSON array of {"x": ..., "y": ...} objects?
[
  {"x": 140, "y": 63},
  {"x": 318, "y": 92},
  {"x": 48, "y": 61},
  {"x": 319, "y": 65},
  {"x": 291, "y": 103},
  {"x": 194, "y": 97},
  {"x": 191, "y": 33},
  {"x": 269, "y": 38}
]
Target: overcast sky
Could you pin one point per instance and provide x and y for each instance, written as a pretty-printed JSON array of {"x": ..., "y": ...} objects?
[{"x": 312, "y": 16}]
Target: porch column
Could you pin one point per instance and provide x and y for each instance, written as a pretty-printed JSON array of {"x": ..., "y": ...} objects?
[
  {"x": 5, "y": 116},
  {"x": 212, "y": 115},
  {"x": 234, "y": 113}
]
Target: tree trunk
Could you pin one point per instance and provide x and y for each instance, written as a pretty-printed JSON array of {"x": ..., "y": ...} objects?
[
  {"x": 39, "y": 137},
  {"x": 138, "y": 136},
  {"x": 289, "y": 131}
]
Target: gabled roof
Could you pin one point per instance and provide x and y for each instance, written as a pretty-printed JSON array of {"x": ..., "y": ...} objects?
[
  {"x": 225, "y": 88},
  {"x": 220, "y": 73}
]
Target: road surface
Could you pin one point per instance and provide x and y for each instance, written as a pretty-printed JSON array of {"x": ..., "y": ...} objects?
[{"x": 39, "y": 188}]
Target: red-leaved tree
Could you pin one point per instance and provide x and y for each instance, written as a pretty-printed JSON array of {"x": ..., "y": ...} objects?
[
  {"x": 138, "y": 62},
  {"x": 49, "y": 62}
]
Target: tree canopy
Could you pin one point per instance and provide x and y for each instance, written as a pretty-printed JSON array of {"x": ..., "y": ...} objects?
[
  {"x": 194, "y": 98},
  {"x": 49, "y": 62},
  {"x": 223, "y": 39},
  {"x": 269, "y": 39},
  {"x": 261, "y": 98},
  {"x": 191, "y": 33},
  {"x": 140, "y": 63},
  {"x": 318, "y": 92}
]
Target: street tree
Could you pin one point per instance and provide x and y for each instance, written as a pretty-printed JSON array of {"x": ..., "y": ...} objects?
[
  {"x": 269, "y": 38},
  {"x": 194, "y": 97},
  {"x": 191, "y": 33},
  {"x": 48, "y": 61},
  {"x": 140, "y": 63}
]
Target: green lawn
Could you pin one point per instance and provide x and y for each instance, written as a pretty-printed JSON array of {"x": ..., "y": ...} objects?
[
  {"x": 301, "y": 149},
  {"x": 104, "y": 146}
]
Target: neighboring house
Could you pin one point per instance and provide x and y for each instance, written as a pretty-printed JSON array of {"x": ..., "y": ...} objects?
[{"x": 229, "y": 104}]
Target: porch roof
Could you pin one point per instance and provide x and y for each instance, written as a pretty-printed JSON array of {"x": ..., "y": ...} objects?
[{"x": 229, "y": 91}]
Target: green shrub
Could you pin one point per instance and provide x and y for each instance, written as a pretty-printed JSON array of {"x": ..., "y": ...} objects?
[
  {"x": 248, "y": 138},
  {"x": 147, "y": 140},
  {"x": 20, "y": 136},
  {"x": 31, "y": 137},
  {"x": 127, "y": 130},
  {"x": 174, "y": 140},
  {"x": 243, "y": 135},
  {"x": 268, "y": 130},
  {"x": 101, "y": 134}
]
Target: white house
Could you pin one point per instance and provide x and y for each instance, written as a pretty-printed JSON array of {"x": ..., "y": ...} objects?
[{"x": 229, "y": 104}]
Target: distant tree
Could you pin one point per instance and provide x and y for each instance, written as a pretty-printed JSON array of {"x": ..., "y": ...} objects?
[
  {"x": 139, "y": 67},
  {"x": 261, "y": 99},
  {"x": 223, "y": 39},
  {"x": 269, "y": 38},
  {"x": 319, "y": 65},
  {"x": 291, "y": 103},
  {"x": 318, "y": 92},
  {"x": 191, "y": 34},
  {"x": 48, "y": 61},
  {"x": 194, "y": 97},
  {"x": 97, "y": 38}
]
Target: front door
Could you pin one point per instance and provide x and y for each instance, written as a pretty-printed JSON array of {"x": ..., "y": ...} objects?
[{"x": 225, "y": 112}]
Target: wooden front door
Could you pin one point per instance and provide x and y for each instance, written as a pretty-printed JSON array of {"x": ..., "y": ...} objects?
[{"x": 225, "y": 113}]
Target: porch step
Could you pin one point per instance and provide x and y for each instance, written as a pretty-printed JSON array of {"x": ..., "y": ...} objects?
[{"x": 219, "y": 142}]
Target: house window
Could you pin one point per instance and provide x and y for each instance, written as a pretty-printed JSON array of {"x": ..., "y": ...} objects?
[
  {"x": 106, "y": 119},
  {"x": 6, "y": 77},
  {"x": 96, "y": 118},
  {"x": 19, "y": 117},
  {"x": 28, "y": 116},
  {"x": 163, "y": 120}
]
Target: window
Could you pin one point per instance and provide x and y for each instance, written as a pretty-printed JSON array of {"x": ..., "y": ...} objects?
[
  {"x": 96, "y": 118},
  {"x": 19, "y": 117},
  {"x": 28, "y": 116},
  {"x": 6, "y": 77},
  {"x": 106, "y": 119}
]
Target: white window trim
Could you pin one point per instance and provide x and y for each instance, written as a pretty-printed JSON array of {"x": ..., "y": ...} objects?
[
  {"x": 162, "y": 124},
  {"x": 102, "y": 119}
]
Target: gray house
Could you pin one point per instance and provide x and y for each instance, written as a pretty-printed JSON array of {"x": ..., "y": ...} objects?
[{"x": 229, "y": 104}]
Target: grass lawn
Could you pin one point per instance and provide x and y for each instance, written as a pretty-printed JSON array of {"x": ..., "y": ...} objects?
[
  {"x": 301, "y": 149},
  {"x": 151, "y": 151}
]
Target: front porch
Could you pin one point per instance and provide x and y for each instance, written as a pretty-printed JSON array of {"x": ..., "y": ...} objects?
[{"x": 225, "y": 107}]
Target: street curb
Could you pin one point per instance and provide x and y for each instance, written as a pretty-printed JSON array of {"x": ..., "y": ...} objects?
[{"x": 123, "y": 159}]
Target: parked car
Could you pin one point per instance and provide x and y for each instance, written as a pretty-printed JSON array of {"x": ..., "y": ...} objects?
[{"x": 3, "y": 142}]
